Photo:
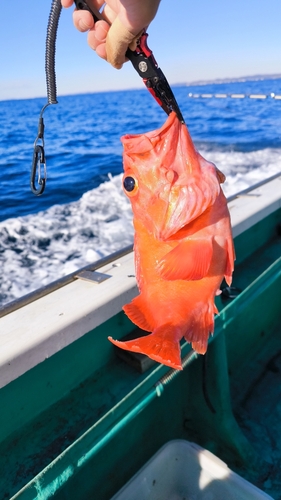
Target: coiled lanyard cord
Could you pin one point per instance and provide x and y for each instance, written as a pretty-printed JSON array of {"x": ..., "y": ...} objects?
[{"x": 39, "y": 167}]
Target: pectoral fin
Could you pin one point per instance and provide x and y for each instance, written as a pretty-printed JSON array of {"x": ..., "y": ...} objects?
[{"x": 189, "y": 260}]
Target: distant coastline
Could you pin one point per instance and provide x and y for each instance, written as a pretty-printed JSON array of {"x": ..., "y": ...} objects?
[{"x": 251, "y": 78}]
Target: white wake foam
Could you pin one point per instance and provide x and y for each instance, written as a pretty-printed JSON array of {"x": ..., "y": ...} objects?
[{"x": 40, "y": 248}]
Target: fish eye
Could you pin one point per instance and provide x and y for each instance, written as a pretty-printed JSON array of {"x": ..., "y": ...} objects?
[{"x": 130, "y": 184}]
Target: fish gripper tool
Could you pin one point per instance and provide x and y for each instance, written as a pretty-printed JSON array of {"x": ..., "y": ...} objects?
[{"x": 146, "y": 66}]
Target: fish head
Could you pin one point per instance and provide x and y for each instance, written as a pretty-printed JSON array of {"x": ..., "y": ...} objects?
[{"x": 167, "y": 181}]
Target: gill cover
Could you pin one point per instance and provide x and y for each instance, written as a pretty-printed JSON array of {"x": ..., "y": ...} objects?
[{"x": 175, "y": 184}]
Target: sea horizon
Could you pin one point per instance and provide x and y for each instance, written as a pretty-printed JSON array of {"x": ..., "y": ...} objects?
[{"x": 215, "y": 81}]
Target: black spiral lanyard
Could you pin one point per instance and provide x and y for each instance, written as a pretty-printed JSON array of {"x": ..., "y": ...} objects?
[
  {"x": 143, "y": 62},
  {"x": 39, "y": 168}
]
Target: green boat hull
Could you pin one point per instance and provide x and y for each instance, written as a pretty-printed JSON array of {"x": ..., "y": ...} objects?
[{"x": 79, "y": 424}]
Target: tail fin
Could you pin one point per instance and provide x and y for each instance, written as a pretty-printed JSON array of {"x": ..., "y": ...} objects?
[{"x": 162, "y": 345}]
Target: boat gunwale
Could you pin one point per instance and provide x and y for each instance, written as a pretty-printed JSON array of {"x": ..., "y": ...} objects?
[
  {"x": 69, "y": 278},
  {"x": 65, "y": 280}
]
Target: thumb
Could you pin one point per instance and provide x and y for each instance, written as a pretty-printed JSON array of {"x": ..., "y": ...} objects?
[{"x": 118, "y": 39}]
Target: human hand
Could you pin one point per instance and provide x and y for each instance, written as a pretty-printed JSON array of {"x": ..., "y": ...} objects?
[{"x": 123, "y": 24}]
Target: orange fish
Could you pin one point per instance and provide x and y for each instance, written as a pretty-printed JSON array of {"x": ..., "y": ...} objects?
[{"x": 183, "y": 241}]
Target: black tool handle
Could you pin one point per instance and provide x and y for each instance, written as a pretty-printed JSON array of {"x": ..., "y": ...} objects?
[
  {"x": 137, "y": 58},
  {"x": 82, "y": 5}
]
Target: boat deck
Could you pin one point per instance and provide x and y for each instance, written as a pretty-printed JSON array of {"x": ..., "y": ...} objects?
[{"x": 257, "y": 408}]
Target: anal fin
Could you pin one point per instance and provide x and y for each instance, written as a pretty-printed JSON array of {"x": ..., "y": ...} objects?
[
  {"x": 201, "y": 326},
  {"x": 230, "y": 258}
]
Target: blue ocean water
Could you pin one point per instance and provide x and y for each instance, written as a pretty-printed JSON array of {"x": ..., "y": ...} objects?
[
  {"x": 82, "y": 136},
  {"x": 83, "y": 214}
]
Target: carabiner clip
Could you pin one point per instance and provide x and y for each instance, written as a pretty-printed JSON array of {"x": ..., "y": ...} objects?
[{"x": 38, "y": 161}]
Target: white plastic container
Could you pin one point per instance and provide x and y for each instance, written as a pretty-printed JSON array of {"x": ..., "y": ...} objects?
[{"x": 181, "y": 470}]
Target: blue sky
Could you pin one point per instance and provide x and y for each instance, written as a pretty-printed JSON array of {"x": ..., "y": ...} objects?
[{"x": 199, "y": 40}]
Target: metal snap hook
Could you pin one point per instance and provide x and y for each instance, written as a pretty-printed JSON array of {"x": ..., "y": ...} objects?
[{"x": 37, "y": 163}]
